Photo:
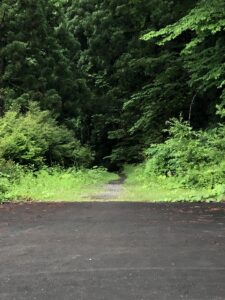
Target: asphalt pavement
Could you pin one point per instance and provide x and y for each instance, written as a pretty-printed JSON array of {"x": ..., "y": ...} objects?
[{"x": 112, "y": 251}]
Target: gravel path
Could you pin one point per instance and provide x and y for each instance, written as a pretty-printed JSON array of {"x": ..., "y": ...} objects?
[{"x": 110, "y": 191}]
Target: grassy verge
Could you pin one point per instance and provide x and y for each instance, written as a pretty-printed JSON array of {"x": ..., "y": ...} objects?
[
  {"x": 57, "y": 185},
  {"x": 139, "y": 187}
]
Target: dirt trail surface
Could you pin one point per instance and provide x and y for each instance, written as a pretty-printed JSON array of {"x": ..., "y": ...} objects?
[
  {"x": 112, "y": 251},
  {"x": 111, "y": 191}
]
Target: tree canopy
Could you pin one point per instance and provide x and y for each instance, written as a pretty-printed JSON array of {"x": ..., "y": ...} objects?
[{"x": 112, "y": 73}]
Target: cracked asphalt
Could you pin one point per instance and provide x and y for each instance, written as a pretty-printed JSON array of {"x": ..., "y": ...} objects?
[{"x": 112, "y": 251}]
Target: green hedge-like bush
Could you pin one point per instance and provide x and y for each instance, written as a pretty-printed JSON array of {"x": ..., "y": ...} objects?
[
  {"x": 194, "y": 158},
  {"x": 35, "y": 139}
]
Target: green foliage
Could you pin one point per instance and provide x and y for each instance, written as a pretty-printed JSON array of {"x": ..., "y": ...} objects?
[
  {"x": 202, "y": 29},
  {"x": 98, "y": 84},
  {"x": 119, "y": 67},
  {"x": 205, "y": 19},
  {"x": 9, "y": 173},
  {"x": 139, "y": 186},
  {"x": 38, "y": 58},
  {"x": 35, "y": 138},
  {"x": 83, "y": 61},
  {"x": 54, "y": 184},
  {"x": 195, "y": 158}
]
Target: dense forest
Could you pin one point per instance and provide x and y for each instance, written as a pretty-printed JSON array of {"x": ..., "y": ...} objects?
[{"x": 107, "y": 83}]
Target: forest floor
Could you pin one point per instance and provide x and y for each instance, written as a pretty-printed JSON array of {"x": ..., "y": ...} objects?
[{"x": 112, "y": 250}]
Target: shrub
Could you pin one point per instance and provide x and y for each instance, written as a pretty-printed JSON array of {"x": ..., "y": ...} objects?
[
  {"x": 9, "y": 173},
  {"x": 35, "y": 138},
  {"x": 195, "y": 158}
]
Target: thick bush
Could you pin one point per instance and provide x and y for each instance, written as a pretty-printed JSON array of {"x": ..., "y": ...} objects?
[
  {"x": 35, "y": 139},
  {"x": 195, "y": 158}
]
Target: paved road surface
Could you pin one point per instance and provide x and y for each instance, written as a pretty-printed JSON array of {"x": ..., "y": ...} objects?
[{"x": 112, "y": 251}]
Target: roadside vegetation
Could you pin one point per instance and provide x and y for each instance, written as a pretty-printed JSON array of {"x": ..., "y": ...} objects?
[
  {"x": 189, "y": 165},
  {"x": 52, "y": 184},
  {"x": 43, "y": 161},
  {"x": 95, "y": 83}
]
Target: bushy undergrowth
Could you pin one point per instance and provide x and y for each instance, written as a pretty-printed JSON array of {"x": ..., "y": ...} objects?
[
  {"x": 195, "y": 158},
  {"x": 30, "y": 143},
  {"x": 50, "y": 184},
  {"x": 35, "y": 138},
  {"x": 188, "y": 160}
]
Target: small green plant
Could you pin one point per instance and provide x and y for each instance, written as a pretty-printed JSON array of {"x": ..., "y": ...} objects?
[{"x": 9, "y": 173}]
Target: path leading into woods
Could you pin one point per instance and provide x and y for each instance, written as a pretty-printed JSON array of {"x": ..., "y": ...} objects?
[
  {"x": 112, "y": 251},
  {"x": 111, "y": 191}
]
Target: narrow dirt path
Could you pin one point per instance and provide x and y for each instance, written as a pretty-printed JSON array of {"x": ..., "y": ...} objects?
[{"x": 111, "y": 191}]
